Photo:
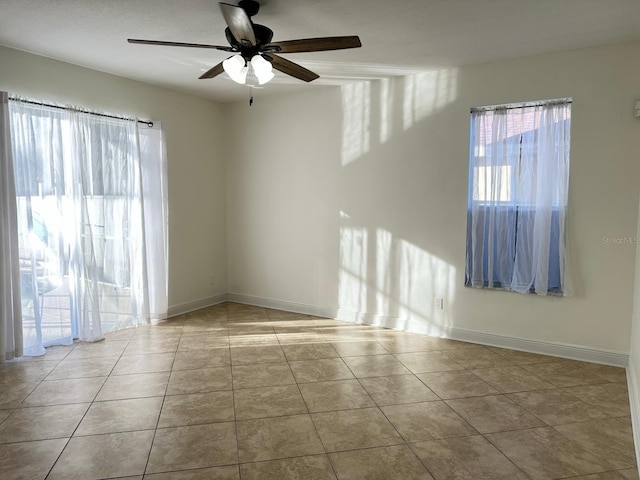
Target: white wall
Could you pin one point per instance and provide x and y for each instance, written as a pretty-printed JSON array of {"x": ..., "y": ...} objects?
[
  {"x": 195, "y": 162},
  {"x": 353, "y": 200}
]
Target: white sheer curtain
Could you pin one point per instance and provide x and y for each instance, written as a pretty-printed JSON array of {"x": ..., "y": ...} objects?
[
  {"x": 518, "y": 193},
  {"x": 155, "y": 208},
  {"x": 81, "y": 223},
  {"x": 10, "y": 307}
]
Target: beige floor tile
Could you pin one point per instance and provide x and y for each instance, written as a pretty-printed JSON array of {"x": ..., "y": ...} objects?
[
  {"x": 116, "y": 416},
  {"x": 466, "y": 458},
  {"x": 419, "y": 422},
  {"x": 29, "y": 460},
  {"x": 245, "y": 316},
  {"x": 611, "y": 438},
  {"x": 406, "y": 344},
  {"x": 206, "y": 326},
  {"x": 565, "y": 373},
  {"x": 83, "y": 367},
  {"x": 375, "y": 366},
  {"x": 199, "y": 381},
  {"x": 397, "y": 462},
  {"x": 251, "y": 328},
  {"x": 556, "y": 407},
  {"x": 427, "y": 362},
  {"x": 543, "y": 453},
  {"x": 119, "y": 387},
  {"x": 145, "y": 346},
  {"x": 26, "y": 372},
  {"x": 277, "y": 437},
  {"x": 193, "y": 360},
  {"x": 494, "y": 413},
  {"x": 266, "y": 375},
  {"x": 320, "y": 370},
  {"x": 103, "y": 456},
  {"x": 308, "y": 338},
  {"x": 105, "y": 348},
  {"x": 335, "y": 395},
  {"x": 511, "y": 379},
  {"x": 457, "y": 384},
  {"x": 611, "y": 475},
  {"x": 253, "y": 340},
  {"x": 257, "y": 354},
  {"x": 56, "y": 392},
  {"x": 478, "y": 357},
  {"x": 397, "y": 389},
  {"x": 610, "y": 398},
  {"x": 195, "y": 446},
  {"x": 309, "y": 351},
  {"x": 42, "y": 423},
  {"x": 353, "y": 429},
  {"x": 307, "y": 468},
  {"x": 197, "y": 408},
  {"x": 130, "y": 364},
  {"x": 608, "y": 373},
  {"x": 517, "y": 357},
  {"x": 288, "y": 316},
  {"x": 202, "y": 342},
  {"x": 629, "y": 473},
  {"x": 354, "y": 349},
  {"x": 12, "y": 394},
  {"x": 229, "y": 472},
  {"x": 268, "y": 402}
]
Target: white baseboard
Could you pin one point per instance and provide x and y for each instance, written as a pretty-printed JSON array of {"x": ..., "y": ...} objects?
[
  {"x": 183, "y": 308},
  {"x": 573, "y": 352}
]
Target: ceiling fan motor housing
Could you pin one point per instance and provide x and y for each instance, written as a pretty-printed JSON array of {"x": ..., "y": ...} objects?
[{"x": 250, "y": 6}]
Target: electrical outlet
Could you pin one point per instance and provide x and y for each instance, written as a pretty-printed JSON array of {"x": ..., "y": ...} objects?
[
  {"x": 212, "y": 280},
  {"x": 439, "y": 303}
]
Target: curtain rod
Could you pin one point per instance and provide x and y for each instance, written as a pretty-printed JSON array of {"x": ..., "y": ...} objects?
[
  {"x": 148, "y": 123},
  {"x": 513, "y": 106}
]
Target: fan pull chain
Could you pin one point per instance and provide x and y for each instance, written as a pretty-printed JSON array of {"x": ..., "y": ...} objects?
[{"x": 250, "y": 96}]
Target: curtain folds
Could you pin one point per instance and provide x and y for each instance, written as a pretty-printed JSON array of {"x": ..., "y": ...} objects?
[
  {"x": 518, "y": 194},
  {"x": 10, "y": 306},
  {"x": 81, "y": 222}
]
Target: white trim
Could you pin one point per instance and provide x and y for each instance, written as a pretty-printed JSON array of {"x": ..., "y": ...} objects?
[
  {"x": 183, "y": 308},
  {"x": 573, "y": 352},
  {"x": 634, "y": 404}
]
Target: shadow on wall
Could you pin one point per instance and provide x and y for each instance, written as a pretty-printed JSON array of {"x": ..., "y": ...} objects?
[{"x": 385, "y": 279}]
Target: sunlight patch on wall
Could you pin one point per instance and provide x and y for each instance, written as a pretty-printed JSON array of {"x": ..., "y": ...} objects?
[
  {"x": 356, "y": 108},
  {"x": 353, "y": 268},
  {"x": 386, "y": 109},
  {"x": 384, "y": 280},
  {"x": 427, "y": 92}
]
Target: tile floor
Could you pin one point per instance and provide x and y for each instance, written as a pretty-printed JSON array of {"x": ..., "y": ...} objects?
[{"x": 240, "y": 392}]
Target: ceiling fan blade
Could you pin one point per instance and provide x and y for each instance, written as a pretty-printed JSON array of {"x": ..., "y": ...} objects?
[
  {"x": 316, "y": 44},
  {"x": 178, "y": 44},
  {"x": 290, "y": 68},
  {"x": 212, "y": 72},
  {"x": 239, "y": 23}
]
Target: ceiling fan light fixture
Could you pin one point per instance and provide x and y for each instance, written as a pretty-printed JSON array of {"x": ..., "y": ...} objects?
[
  {"x": 236, "y": 67},
  {"x": 262, "y": 68}
]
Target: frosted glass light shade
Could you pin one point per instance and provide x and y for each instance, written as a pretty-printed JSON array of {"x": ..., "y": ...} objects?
[
  {"x": 236, "y": 67},
  {"x": 262, "y": 69}
]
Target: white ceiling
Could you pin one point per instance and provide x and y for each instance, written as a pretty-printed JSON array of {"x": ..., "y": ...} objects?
[{"x": 398, "y": 36}]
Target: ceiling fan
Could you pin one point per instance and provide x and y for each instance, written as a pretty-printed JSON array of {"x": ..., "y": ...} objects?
[{"x": 254, "y": 51}]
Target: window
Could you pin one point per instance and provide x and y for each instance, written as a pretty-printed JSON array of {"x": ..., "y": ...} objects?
[
  {"x": 91, "y": 220},
  {"x": 518, "y": 192}
]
